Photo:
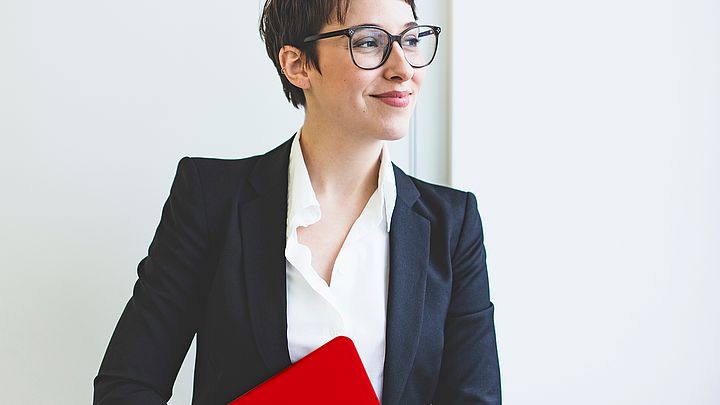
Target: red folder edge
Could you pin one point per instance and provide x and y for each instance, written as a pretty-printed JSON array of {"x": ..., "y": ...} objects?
[{"x": 331, "y": 373}]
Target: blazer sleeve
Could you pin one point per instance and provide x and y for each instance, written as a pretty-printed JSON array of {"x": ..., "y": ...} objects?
[
  {"x": 158, "y": 324},
  {"x": 469, "y": 373}
]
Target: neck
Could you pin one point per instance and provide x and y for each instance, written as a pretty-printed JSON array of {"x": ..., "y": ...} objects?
[{"x": 342, "y": 166}]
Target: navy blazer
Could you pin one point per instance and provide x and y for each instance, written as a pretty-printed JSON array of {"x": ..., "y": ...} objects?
[{"x": 216, "y": 268}]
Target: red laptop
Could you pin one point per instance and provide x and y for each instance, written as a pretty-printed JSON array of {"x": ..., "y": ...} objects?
[{"x": 332, "y": 374}]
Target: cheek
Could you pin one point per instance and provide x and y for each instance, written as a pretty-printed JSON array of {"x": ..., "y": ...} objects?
[
  {"x": 356, "y": 90},
  {"x": 418, "y": 78}
]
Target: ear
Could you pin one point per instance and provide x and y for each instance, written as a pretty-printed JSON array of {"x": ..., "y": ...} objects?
[{"x": 292, "y": 63}]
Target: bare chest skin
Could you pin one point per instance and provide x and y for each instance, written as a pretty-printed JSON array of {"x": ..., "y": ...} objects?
[{"x": 325, "y": 238}]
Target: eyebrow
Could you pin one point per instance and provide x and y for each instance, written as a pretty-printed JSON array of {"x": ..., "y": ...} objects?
[{"x": 407, "y": 24}]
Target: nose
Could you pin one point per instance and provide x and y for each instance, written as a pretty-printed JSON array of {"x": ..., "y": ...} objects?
[{"x": 396, "y": 66}]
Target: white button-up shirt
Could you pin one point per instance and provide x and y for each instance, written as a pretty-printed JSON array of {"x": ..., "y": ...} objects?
[{"x": 355, "y": 302}]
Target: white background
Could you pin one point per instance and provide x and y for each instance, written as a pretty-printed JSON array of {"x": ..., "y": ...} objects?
[
  {"x": 590, "y": 132},
  {"x": 587, "y": 131}
]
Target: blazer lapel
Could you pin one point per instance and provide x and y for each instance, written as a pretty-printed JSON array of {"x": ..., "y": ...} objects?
[
  {"x": 409, "y": 253},
  {"x": 263, "y": 222}
]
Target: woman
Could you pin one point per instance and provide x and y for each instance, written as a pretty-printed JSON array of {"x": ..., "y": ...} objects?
[{"x": 269, "y": 257}]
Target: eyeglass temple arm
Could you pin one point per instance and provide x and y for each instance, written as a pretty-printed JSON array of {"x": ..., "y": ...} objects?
[
  {"x": 330, "y": 34},
  {"x": 431, "y": 31},
  {"x": 348, "y": 32}
]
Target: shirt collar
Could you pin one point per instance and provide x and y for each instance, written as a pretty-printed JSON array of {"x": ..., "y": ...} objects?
[
  {"x": 303, "y": 206},
  {"x": 386, "y": 183},
  {"x": 301, "y": 196}
]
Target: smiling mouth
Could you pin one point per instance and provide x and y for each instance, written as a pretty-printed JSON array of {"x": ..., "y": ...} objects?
[
  {"x": 393, "y": 94},
  {"x": 398, "y": 99}
]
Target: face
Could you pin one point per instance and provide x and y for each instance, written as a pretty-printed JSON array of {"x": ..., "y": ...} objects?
[{"x": 361, "y": 102}]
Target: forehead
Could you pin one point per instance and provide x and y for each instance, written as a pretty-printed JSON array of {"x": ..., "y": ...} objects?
[{"x": 392, "y": 15}]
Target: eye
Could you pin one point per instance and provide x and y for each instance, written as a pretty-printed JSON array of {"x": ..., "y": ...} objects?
[
  {"x": 366, "y": 42},
  {"x": 411, "y": 41}
]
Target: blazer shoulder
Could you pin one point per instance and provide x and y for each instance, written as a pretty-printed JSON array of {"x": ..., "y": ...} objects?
[
  {"x": 247, "y": 175},
  {"x": 223, "y": 168},
  {"x": 438, "y": 199},
  {"x": 219, "y": 176},
  {"x": 446, "y": 194}
]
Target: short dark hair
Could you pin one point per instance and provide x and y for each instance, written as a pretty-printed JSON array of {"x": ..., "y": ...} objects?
[{"x": 288, "y": 22}]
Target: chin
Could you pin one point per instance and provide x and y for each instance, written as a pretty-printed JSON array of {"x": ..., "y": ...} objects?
[
  {"x": 393, "y": 128},
  {"x": 394, "y": 133}
]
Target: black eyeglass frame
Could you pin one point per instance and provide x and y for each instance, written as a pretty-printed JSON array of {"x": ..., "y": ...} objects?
[{"x": 348, "y": 32}]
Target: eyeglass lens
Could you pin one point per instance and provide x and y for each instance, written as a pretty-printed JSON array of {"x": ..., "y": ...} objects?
[{"x": 369, "y": 45}]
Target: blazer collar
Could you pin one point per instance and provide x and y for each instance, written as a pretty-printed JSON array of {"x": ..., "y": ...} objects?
[
  {"x": 409, "y": 253},
  {"x": 263, "y": 223},
  {"x": 271, "y": 169}
]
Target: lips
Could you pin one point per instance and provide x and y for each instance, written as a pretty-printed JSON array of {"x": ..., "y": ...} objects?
[{"x": 394, "y": 98}]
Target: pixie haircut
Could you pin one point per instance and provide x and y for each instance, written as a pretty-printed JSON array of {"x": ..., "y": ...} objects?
[{"x": 288, "y": 22}]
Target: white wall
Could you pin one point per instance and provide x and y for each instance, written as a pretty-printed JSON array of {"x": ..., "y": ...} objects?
[
  {"x": 590, "y": 132},
  {"x": 98, "y": 102}
]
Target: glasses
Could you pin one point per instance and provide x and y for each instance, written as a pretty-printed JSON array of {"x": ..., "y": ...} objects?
[{"x": 370, "y": 46}]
